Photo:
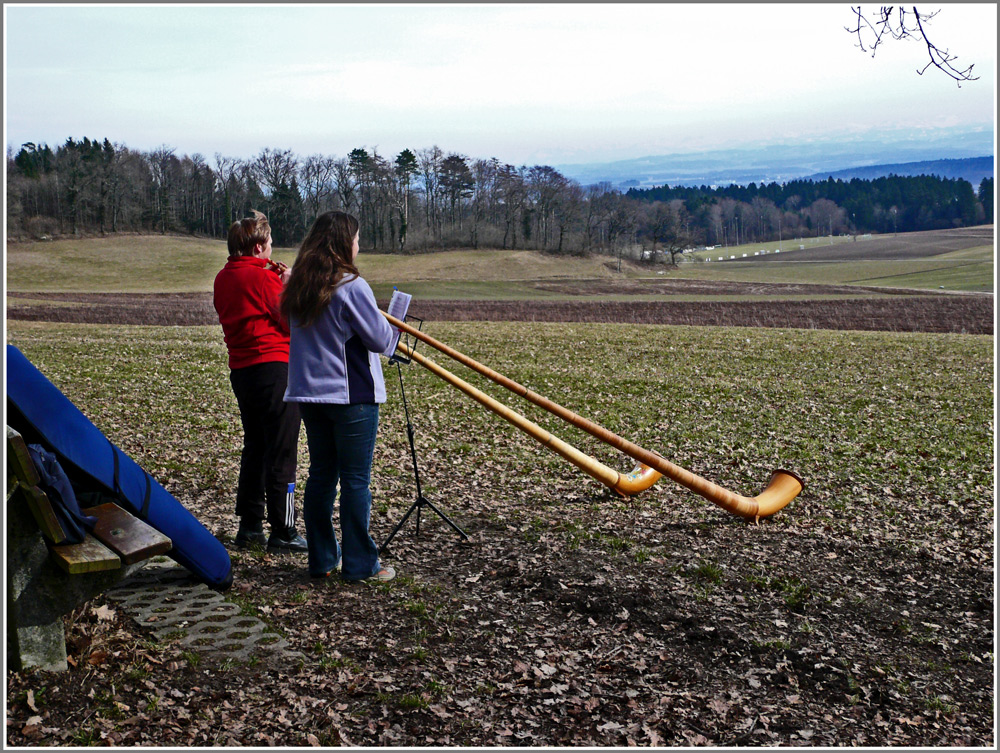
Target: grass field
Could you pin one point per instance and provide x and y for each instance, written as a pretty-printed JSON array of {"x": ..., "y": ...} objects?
[
  {"x": 175, "y": 264},
  {"x": 968, "y": 270},
  {"x": 882, "y": 567},
  {"x": 860, "y": 615},
  {"x": 856, "y": 413}
]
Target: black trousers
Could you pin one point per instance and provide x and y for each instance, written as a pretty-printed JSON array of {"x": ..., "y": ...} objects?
[{"x": 270, "y": 445}]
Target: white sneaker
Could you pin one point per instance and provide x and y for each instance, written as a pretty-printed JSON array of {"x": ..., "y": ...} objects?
[{"x": 386, "y": 573}]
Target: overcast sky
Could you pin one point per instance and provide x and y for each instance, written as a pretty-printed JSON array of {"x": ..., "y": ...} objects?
[{"x": 526, "y": 83}]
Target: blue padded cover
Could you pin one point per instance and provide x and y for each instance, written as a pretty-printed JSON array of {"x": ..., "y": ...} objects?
[{"x": 39, "y": 411}]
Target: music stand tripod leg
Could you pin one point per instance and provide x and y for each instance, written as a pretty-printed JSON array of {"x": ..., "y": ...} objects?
[
  {"x": 420, "y": 501},
  {"x": 443, "y": 517}
]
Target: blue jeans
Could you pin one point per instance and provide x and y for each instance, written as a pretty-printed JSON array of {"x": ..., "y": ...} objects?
[{"x": 341, "y": 441}]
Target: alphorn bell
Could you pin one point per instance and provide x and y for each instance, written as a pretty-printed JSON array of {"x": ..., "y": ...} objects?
[{"x": 783, "y": 487}]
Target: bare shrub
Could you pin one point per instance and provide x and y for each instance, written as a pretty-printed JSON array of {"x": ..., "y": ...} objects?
[{"x": 41, "y": 228}]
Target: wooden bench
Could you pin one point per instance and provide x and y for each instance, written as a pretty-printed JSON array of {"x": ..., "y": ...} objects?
[{"x": 47, "y": 576}]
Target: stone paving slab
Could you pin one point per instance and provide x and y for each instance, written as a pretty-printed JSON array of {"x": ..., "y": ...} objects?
[{"x": 175, "y": 605}]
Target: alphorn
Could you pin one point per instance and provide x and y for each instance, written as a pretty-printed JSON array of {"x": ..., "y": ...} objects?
[
  {"x": 626, "y": 484},
  {"x": 783, "y": 487}
]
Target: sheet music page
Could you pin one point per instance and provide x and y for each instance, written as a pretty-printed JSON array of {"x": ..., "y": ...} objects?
[{"x": 399, "y": 304}]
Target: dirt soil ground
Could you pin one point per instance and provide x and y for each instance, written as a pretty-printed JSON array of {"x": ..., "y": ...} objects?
[
  {"x": 715, "y": 633},
  {"x": 518, "y": 638},
  {"x": 912, "y": 311}
]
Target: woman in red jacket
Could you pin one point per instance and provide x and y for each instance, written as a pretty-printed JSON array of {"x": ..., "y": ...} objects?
[{"x": 246, "y": 298}]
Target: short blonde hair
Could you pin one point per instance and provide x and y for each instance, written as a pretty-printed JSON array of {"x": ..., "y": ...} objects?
[{"x": 246, "y": 234}]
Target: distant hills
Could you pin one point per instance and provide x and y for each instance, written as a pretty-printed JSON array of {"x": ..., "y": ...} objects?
[
  {"x": 949, "y": 154},
  {"x": 973, "y": 170}
]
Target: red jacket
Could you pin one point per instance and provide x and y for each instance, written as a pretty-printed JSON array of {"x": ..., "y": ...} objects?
[{"x": 246, "y": 298}]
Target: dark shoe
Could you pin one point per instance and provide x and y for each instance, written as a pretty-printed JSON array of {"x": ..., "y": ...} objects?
[
  {"x": 249, "y": 535},
  {"x": 289, "y": 542}
]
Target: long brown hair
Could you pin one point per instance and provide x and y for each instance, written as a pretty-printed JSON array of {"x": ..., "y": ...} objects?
[{"x": 323, "y": 261}]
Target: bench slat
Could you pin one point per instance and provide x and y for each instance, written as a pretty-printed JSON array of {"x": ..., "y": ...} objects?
[
  {"x": 19, "y": 460},
  {"x": 133, "y": 539},
  {"x": 89, "y": 556},
  {"x": 45, "y": 516}
]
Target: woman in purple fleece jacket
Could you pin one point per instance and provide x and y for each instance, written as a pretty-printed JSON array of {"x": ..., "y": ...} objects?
[{"x": 334, "y": 374}]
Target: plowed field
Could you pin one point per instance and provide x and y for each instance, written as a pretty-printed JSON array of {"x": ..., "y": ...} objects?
[{"x": 971, "y": 314}]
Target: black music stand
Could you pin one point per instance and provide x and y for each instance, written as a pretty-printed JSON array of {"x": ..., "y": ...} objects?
[{"x": 421, "y": 501}]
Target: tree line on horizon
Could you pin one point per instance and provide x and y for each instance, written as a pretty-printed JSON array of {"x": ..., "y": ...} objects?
[{"x": 429, "y": 200}]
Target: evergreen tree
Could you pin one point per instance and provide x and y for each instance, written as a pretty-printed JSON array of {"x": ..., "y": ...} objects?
[
  {"x": 406, "y": 168},
  {"x": 986, "y": 199}
]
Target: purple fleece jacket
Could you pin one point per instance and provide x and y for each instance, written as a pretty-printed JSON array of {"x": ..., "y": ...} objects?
[{"x": 336, "y": 358}]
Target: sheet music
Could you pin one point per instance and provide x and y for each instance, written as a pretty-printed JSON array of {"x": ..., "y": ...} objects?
[{"x": 399, "y": 304}]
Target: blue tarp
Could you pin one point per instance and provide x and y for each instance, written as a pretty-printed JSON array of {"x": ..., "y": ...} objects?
[{"x": 41, "y": 413}]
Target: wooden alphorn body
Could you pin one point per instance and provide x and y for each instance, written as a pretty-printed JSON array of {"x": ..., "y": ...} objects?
[{"x": 783, "y": 487}]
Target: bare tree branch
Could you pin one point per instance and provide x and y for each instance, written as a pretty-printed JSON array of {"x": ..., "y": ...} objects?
[{"x": 895, "y": 22}]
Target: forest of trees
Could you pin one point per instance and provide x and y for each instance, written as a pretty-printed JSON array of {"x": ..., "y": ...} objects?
[{"x": 429, "y": 199}]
